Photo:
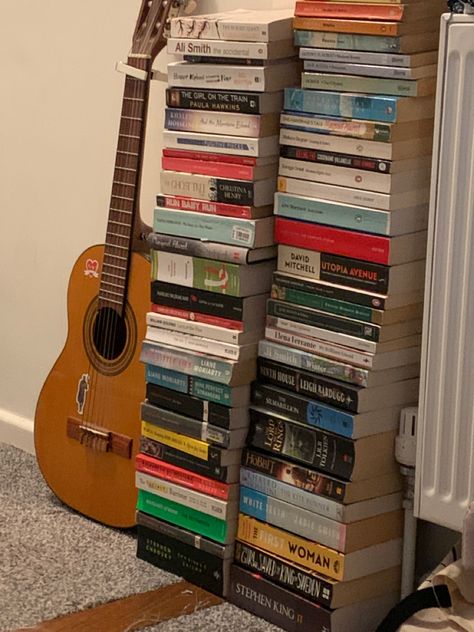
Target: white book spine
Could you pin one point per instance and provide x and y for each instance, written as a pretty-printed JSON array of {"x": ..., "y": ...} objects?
[
  {"x": 354, "y": 57},
  {"x": 218, "y": 29},
  {"x": 281, "y": 332},
  {"x": 217, "y": 48},
  {"x": 184, "y": 496},
  {"x": 340, "y": 176},
  {"x": 365, "y": 70},
  {"x": 221, "y": 144},
  {"x": 248, "y": 125},
  {"x": 217, "y": 77},
  {"x": 179, "y": 325},
  {"x": 194, "y": 343},
  {"x": 338, "y": 144},
  {"x": 335, "y": 193}
]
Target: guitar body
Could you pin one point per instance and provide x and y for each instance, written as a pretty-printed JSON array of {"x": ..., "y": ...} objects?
[{"x": 97, "y": 382}]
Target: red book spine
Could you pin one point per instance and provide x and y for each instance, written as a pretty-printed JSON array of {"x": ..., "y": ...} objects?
[
  {"x": 178, "y": 203},
  {"x": 324, "y": 9},
  {"x": 202, "y": 155},
  {"x": 168, "y": 472},
  {"x": 208, "y": 168},
  {"x": 334, "y": 240},
  {"x": 197, "y": 317}
]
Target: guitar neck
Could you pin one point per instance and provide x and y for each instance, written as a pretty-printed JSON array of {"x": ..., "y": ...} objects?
[{"x": 124, "y": 201}]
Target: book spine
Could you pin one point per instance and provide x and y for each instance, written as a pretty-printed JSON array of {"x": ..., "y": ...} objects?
[
  {"x": 337, "y": 241},
  {"x": 186, "y": 461},
  {"x": 307, "y": 585},
  {"x": 206, "y": 59},
  {"x": 207, "y": 168},
  {"x": 313, "y": 363},
  {"x": 199, "y": 27},
  {"x": 292, "y": 518},
  {"x": 183, "y": 120},
  {"x": 194, "y": 447},
  {"x": 215, "y": 100},
  {"x": 332, "y": 158},
  {"x": 368, "y": 85},
  {"x": 330, "y": 291},
  {"x": 300, "y": 477},
  {"x": 197, "y": 521},
  {"x": 313, "y": 318},
  {"x": 216, "y": 48},
  {"x": 168, "y": 472},
  {"x": 191, "y": 563},
  {"x": 360, "y": 27},
  {"x": 331, "y": 306},
  {"x": 209, "y": 157},
  {"x": 212, "y": 303},
  {"x": 275, "y": 604},
  {"x": 291, "y": 548},
  {"x": 348, "y": 41},
  {"x": 192, "y": 428},
  {"x": 212, "y": 142},
  {"x": 385, "y": 72},
  {"x": 221, "y": 334},
  {"x": 206, "y": 319},
  {"x": 324, "y": 266},
  {"x": 195, "y": 248},
  {"x": 316, "y": 341},
  {"x": 177, "y": 203},
  {"x": 339, "y": 127},
  {"x": 195, "y": 272},
  {"x": 217, "y": 77},
  {"x": 203, "y": 188},
  {"x": 316, "y": 448},
  {"x": 355, "y": 57},
  {"x": 309, "y": 384},
  {"x": 193, "y": 386},
  {"x": 200, "y": 345},
  {"x": 306, "y": 411},
  {"x": 216, "y": 370},
  {"x": 371, "y": 108},
  {"x": 316, "y": 9},
  {"x": 183, "y": 495},
  {"x": 334, "y": 174},
  {"x": 290, "y": 494},
  {"x": 200, "y": 409}
]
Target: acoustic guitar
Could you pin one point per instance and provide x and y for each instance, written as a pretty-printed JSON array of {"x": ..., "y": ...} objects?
[{"x": 87, "y": 420}]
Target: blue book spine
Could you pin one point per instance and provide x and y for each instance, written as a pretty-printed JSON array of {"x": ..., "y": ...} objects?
[
  {"x": 333, "y": 214},
  {"x": 219, "y": 370},
  {"x": 203, "y": 389},
  {"x": 199, "y": 226},
  {"x": 357, "y": 106},
  {"x": 348, "y": 41}
]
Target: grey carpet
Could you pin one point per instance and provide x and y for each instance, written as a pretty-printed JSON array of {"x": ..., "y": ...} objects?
[{"x": 54, "y": 561}]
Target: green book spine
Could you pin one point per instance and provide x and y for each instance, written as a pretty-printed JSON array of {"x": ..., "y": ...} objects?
[
  {"x": 183, "y": 516},
  {"x": 368, "y": 85}
]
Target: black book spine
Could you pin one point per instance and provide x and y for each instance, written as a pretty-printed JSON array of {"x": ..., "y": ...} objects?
[
  {"x": 297, "y": 475},
  {"x": 332, "y": 158},
  {"x": 231, "y": 61},
  {"x": 313, "y": 318},
  {"x": 303, "y": 583},
  {"x": 183, "y": 404},
  {"x": 316, "y": 448},
  {"x": 174, "y": 556},
  {"x": 214, "y": 100},
  {"x": 178, "y": 296},
  {"x": 329, "y": 391},
  {"x": 276, "y": 605},
  {"x": 187, "y": 461}
]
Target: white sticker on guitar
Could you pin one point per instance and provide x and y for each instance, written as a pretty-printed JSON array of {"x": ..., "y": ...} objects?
[{"x": 92, "y": 269}]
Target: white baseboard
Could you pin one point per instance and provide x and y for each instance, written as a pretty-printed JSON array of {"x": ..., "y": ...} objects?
[{"x": 17, "y": 431}]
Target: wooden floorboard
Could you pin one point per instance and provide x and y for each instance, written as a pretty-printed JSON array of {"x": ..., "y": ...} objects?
[{"x": 135, "y": 612}]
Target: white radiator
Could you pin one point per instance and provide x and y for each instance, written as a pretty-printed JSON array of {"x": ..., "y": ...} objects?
[{"x": 445, "y": 458}]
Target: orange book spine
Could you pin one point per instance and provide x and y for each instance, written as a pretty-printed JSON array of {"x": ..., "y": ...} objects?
[
  {"x": 316, "y": 9},
  {"x": 361, "y": 27}
]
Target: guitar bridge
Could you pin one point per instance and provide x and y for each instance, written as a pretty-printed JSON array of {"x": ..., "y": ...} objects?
[{"x": 99, "y": 439}]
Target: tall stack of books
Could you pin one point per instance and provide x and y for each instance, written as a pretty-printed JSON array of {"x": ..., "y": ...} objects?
[
  {"x": 320, "y": 528},
  {"x": 213, "y": 257}
]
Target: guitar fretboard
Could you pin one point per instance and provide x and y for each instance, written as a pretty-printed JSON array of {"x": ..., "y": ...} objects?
[{"x": 125, "y": 189}]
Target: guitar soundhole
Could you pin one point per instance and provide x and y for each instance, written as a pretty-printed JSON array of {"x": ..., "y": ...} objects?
[{"x": 109, "y": 333}]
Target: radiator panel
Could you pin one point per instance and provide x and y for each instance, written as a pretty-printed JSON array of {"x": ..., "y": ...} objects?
[{"x": 445, "y": 459}]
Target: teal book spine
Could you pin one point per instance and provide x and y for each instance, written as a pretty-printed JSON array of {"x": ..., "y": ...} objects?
[
  {"x": 199, "y": 226},
  {"x": 358, "y": 106},
  {"x": 185, "y": 517},
  {"x": 348, "y": 41},
  {"x": 325, "y": 212}
]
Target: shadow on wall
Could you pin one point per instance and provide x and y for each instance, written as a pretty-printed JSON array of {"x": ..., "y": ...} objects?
[{"x": 433, "y": 543}]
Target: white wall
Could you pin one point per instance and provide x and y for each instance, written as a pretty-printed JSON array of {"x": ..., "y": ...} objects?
[{"x": 59, "y": 113}]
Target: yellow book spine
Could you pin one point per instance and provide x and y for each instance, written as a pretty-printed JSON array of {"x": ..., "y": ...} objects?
[
  {"x": 291, "y": 547},
  {"x": 362, "y": 27},
  {"x": 196, "y": 448}
]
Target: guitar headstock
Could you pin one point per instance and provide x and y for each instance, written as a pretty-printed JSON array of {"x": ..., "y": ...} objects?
[{"x": 153, "y": 23}]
